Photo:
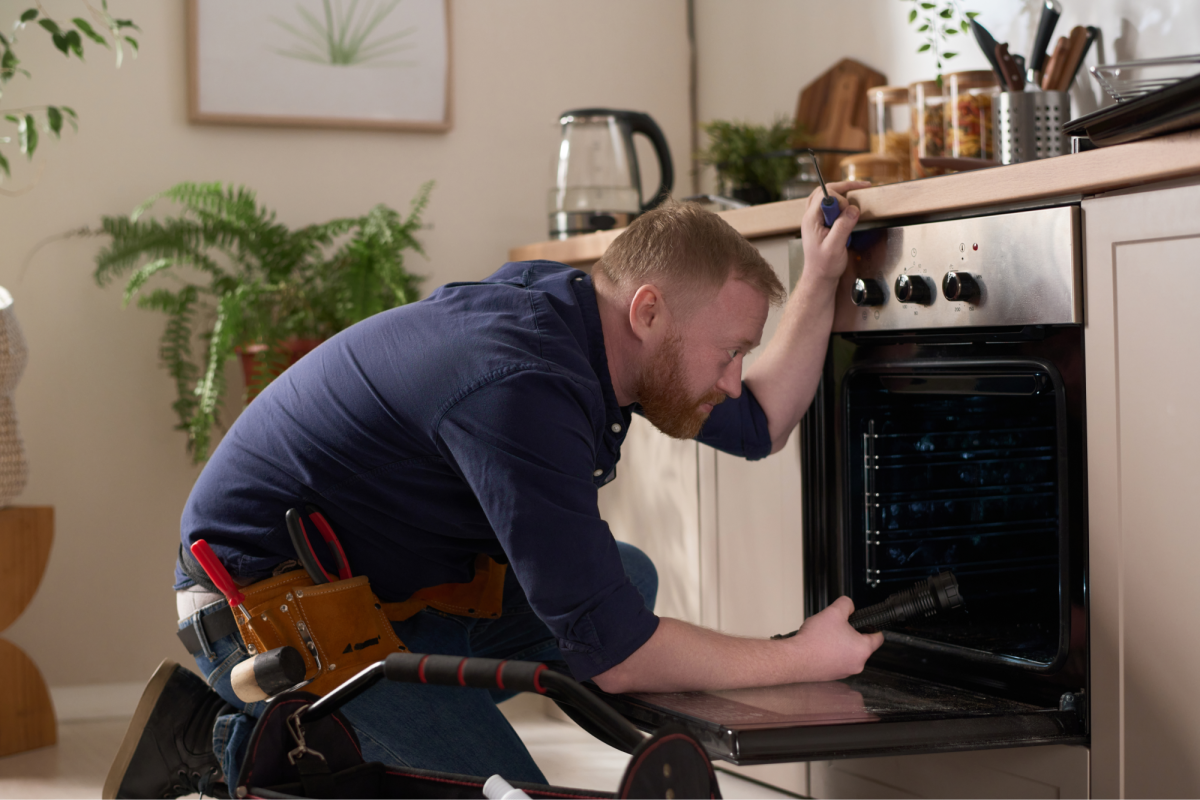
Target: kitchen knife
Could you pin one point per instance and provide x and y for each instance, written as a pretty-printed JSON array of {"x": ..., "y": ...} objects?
[
  {"x": 1052, "y": 66},
  {"x": 988, "y": 45},
  {"x": 1014, "y": 76},
  {"x": 1051, "y": 11},
  {"x": 1076, "y": 45},
  {"x": 1092, "y": 33}
]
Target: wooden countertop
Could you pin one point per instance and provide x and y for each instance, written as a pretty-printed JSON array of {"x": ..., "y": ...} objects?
[{"x": 1102, "y": 170}]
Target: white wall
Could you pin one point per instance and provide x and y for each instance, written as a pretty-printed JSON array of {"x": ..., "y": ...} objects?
[
  {"x": 94, "y": 406},
  {"x": 756, "y": 55}
]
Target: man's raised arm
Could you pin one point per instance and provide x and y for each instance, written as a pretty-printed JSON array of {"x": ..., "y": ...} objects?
[{"x": 784, "y": 378}]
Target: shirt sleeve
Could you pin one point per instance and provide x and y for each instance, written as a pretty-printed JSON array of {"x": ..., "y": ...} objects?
[
  {"x": 738, "y": 427},
  {"x": 526, "y": 445}
]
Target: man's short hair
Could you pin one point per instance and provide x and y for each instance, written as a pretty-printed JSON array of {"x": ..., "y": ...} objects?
[{"x": 687, "y": 252}]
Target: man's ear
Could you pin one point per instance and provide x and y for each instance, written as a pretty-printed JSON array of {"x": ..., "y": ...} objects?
[{"x": 648, "y": 316}]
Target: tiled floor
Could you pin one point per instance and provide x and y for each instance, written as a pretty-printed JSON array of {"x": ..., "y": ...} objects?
[{"x": 568, "y": 756}]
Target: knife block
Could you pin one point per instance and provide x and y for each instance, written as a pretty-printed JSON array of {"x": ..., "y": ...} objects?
[{"x": 26, "y": 712}]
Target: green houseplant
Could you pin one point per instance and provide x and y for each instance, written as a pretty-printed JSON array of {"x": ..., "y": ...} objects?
[
  {"x": 939, "y": 22},
  {"x": 231, "y": 278},
  {"x": 753, "y": 162},
  {"x": 68, "y": 39}
]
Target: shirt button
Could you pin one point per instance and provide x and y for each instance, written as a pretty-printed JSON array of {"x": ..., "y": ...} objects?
[
  {"x": 577, "y": 280},
  {"x": 598, "y": 473},
  {"x": 616, "y": 427}
]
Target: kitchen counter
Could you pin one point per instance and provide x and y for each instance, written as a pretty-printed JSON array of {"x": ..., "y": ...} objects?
[{"x": 1093, "y": 172}]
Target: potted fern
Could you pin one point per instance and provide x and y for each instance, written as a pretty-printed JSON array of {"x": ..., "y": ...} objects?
[{"x": 231, "y": 279}]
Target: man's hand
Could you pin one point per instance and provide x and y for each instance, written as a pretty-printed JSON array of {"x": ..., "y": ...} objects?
[
  {"x": 825, "y": 254},
  {"x": 682, "y": 658},
  {"x": 784, "y": 378},
  {"x": 829, "y": 647}
]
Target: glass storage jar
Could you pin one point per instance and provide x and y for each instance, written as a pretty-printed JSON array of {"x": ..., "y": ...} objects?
[
  {"x": 969, "y": 114},
  {"x": 889, "y": 123},
  {"x": 878, "y": 168},
  {"x": 927, "y": 106}
]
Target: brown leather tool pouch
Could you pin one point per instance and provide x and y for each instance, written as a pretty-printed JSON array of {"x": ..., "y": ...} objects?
[
  {"x": 342, "y": 627},
  {"x": 339, "y": 627}
]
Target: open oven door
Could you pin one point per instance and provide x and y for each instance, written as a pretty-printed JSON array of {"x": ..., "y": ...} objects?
[
  {"x": 875, "y": 713},
  {"x": 1009, "y": 670}
]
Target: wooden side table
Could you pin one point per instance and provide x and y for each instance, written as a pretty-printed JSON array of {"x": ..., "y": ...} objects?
[{"x": 26, "y": 713}]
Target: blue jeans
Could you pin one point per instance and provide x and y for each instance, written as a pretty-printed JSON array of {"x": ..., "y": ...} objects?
[{"x": 431, "y": 727}]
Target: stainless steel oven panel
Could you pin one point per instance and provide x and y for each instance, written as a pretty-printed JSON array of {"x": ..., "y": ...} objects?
[{"x": 1027, "y": 265}]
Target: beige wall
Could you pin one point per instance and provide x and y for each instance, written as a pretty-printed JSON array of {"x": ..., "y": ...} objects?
[{"x": 95, "y": 408}]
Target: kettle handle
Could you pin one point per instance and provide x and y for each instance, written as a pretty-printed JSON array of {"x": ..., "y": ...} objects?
[{"x": 644, "y": 124}]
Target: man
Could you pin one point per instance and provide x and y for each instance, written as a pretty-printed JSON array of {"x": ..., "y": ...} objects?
[{"x": 481, "y": 422}]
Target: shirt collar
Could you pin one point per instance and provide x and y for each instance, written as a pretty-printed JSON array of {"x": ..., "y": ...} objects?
[{"x": 585, "y": 292}]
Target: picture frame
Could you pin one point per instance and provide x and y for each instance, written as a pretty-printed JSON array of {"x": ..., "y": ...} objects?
[{"x": 370, "y": 64}]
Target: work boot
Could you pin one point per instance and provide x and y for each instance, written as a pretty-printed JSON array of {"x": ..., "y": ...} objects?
[{"x": 168, "y": 749}]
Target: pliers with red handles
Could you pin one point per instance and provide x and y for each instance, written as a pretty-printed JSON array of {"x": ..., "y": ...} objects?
[{"x": 304, "y": 550}]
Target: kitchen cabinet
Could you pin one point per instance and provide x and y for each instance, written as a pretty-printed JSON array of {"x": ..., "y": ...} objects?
[
  {"x": 1033, "y": 772},
  {"x": 1143, "y": 477}
]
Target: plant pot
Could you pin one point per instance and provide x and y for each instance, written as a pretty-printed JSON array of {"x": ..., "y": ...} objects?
[
  {"x": 293, "y": 349},
  {"x": 754, "y": 195}
]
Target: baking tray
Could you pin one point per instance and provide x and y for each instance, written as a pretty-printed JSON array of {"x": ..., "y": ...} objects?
[{"x": 1168, "y": 110}]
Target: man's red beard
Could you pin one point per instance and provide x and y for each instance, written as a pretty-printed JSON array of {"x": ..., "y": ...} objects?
[{"x": 662, "y": 392}]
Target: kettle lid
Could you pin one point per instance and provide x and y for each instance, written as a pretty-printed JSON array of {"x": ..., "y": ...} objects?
[{"x": 585, "y": 113}]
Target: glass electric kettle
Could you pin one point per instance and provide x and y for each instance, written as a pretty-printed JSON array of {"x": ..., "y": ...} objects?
[{"x": 597, "y": 185}]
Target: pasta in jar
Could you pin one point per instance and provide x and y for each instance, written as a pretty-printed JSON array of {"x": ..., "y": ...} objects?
[{"x": 969, "y": 128}]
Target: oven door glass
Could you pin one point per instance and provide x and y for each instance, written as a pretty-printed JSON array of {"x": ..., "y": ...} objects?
[
  {"x": 942, "y": 463},
  {"x": 959, "y": 468},
  {"x": 871, "y": 714}
]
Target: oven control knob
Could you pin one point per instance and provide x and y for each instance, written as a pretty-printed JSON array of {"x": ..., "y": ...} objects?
[
  {"x": 914, "y": 289},
  {"x": 960, "y": 286},
  {"x": 867, "y": 292}
]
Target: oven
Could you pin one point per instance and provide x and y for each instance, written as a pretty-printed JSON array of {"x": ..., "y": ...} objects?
[{"x": 947, "y": 434}]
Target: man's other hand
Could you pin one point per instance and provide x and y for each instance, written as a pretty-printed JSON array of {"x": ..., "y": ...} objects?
[
  {"x": 825, "y": 248},
  {"x": 829, "y": 648}
]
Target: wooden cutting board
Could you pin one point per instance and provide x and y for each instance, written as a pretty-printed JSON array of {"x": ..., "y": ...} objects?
[{"x": 833, "y": 108}]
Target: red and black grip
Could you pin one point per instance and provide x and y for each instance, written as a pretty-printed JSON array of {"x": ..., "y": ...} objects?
[
  {"x": 482, "y": 673},
  {"x": 476, "y": 673}
]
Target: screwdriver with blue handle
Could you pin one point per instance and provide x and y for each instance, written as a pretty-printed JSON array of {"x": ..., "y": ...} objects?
[{"x": 830, "y": 209}]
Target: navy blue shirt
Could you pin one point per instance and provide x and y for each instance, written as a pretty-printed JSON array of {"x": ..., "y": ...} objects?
[{"x": 479, "y": 420}]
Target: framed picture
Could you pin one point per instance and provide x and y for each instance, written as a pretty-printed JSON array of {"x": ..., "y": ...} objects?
[{"x": 321, "y": 63}]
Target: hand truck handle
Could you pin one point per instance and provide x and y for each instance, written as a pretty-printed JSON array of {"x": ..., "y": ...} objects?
[{"x": 479, "y": 673}]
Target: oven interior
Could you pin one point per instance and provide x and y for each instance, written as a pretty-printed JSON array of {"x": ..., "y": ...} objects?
[{"x": 960, "y": 468}]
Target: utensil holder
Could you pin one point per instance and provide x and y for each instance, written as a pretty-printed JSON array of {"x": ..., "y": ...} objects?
[{"x": 1028, "y": 125}]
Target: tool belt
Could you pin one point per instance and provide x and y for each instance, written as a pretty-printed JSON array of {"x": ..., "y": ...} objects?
[{"x": 338, "y": 627}]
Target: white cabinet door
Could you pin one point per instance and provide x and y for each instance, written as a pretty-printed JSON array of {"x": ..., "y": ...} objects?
[
  {"x": 653, "y": 504},
  {"x": 750, "y": 524},
  {"x": 723, "y": 532},
  {"x": 674, "y": 500},
  {"x": 759, "y": 580},
  {"x": 1033, "y": 772},
  {"x": 1143, "y": 399}
]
